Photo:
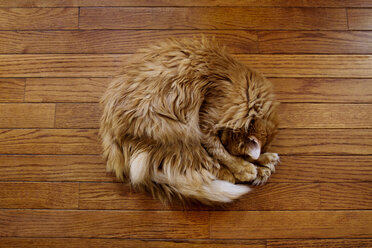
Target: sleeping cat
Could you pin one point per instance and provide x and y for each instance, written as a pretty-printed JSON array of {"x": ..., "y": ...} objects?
[{"x": 186, "y": 120}]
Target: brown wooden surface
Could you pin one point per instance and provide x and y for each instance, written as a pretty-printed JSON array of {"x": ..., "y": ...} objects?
[
  {"x": 21, "y": 115},
  {"x": 360, "y": 19},
  {"x": 38, "y": 18},
  {"x": 331, "y": 243},
  {"x": 12, "y": 89},
  {"x": 115, "y": 41},
  {"x": 163, "y": 3},
  {"x": 315, "y": 42},
  {"x": 213, "y": 18},
  {"x": 56, "y": 60},
  {"x": 49, "y": 141},
  {"x": 39, "y": 195},
  {"x": 129, "y": 243},
  {"x": 107, "y": 65},
  {"x": 105, "y": 224},
  {"x": 303, "y": 224}
]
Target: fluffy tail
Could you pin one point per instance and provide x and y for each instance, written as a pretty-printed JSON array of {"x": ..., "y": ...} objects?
[{"x": 170, "y": 183}]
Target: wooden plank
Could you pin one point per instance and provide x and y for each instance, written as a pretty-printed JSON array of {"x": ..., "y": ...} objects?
[
  {"x": 65, "y": 89},
  {"x": 315, "y": 42},
  {"x": 338, "y": 66},
  {"x": 12, "y": 89},
  {"x": 49, "y": 141},
  {"x": 359, "y": 19},
  {"x": 115, "y": 41},
  {"x": 53, "y": 168},
  {"x": 323, "y": 169},
  {"x": 213, "y": 18},
  {"x": 77, "y": 115},
  {"x": 22, "y": 115},
  {"x": 60, "y": 65},
  {"x": 280, "y": 196},
  {"x": 309, "y": 115},
  {"x": 290, "y": 224},
  {"x": 105, "y": 224},
  {"x": 331, "y": 243},
  {"x": 323, "y": 142},
  {"x": 116, "y": 196},
  {"x": 322, "y": 90},
  {"x": 107, "y": 65},
  {"x": 286, "y": 89},
  {"x": 272, "y": 196},
  {"x": 346, "y": 195},
  {"x": 38, "y": 18},
  {"x": 39, "y": 195},
  {"x": 164, "y": 3},
  {"x": 127, "y": 243}
]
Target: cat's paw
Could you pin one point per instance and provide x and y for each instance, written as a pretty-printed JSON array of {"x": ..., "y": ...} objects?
[
  {"x": 269, "y": 160},
  {"x": 263, "y": 174},
  {"x": 226, "y": 175},
  {"x": 246, "y": 172}
]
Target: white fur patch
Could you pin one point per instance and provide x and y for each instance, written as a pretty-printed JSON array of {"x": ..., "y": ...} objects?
[
  {"x": 139, "y": 166},
  {"x": 223, "y": 191}
]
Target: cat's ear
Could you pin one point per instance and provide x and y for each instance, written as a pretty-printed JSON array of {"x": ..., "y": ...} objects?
[{"x": 254, "y": 147}]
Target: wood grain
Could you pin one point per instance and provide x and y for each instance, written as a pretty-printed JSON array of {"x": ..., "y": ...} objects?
[
  {"x": 127, "y": 243},
  {"x": 12, "y": 89},
  {"x": 38, "y": 18},
  {"x": 53, "y": 168},
  {"x": 105, "y": 224},
  {"x": 65, "y": 89},
  {"x": 39, "y": 195},
  {"x": 107, "y": 65},
  {"x": 21, "y": 115},
  {"x": 323, "y": 142},
  {"x": 323, "y": 169},
  {"x": 164, "y": 3},
  {"x": 61, "y": 65},
  {"x": 286, "y": 89},
  {"x": 322, "y": 90},
  {"x": 338, "y": 66},
  {"x": 75, "y": 115},
  {"x": 346, "y": 196},
  {"x": 213, "y": 18},
  {"x": 290, "y": 224},
  {"x": 315, "y": 42},
  {"x": 115, "y": 41},
  {"x": 116, "y": 196},
  {"x": 280, "y": 196},
  {"x": 302, "y": 115},
  {"x": 49, "y": 141},
  {"x": 330, "y": 243},
  {"x": 359, "y": 19}
]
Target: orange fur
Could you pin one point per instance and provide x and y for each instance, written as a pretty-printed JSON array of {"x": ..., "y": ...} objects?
[{"x": 165, "y": 116}]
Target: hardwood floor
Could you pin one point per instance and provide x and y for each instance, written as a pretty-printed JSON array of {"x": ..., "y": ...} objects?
[{"x": 56, "y": 58}]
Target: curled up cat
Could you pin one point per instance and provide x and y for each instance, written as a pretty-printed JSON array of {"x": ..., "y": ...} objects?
[{"x": 186, "y": 120}]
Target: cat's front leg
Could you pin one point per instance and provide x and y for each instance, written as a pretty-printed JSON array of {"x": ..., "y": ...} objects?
[
  {"x": 265, "y": 167},
  {"x": 243, "y": 170}
]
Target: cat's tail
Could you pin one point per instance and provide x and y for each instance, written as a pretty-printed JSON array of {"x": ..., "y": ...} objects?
[{"x": 185, "y": 184}]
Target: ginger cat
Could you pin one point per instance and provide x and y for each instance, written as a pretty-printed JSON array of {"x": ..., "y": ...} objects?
[{"x": 186, "y": 120}]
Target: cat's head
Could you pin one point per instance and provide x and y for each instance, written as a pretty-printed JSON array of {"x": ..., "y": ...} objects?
[{"x": 257, "y": 123}]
